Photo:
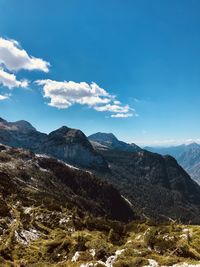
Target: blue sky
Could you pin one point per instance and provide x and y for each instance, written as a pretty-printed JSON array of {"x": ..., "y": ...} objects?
[{"x": 145, "y": 54}]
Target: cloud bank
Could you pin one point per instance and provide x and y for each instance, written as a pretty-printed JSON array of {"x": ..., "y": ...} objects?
[{"x": 62, "y": 95}]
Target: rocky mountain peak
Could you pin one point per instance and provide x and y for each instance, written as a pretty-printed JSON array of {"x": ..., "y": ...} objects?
[
  {"x": 103, "y": 137},
  {"x": 69, "y": 135},
  {"x": 24, "y": 125},
  {"x": 110, "y": 141},
  {"x": 20, "y": 125}
]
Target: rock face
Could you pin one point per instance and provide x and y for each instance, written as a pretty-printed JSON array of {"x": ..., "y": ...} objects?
[
  {"x": 67, "y": 144},
  {"x": 109, "y": 141},
  {"x": 188, "y": 156},
  {"x": 155, "y": 185}
]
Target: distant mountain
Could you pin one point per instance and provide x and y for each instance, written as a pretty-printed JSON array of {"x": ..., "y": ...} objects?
[
  {"x": 188, "y": 156},
  {"x": 174, "y": 151},
  {"x": 109, "y": 141},
  {"x": 67, "y": 144},
  {"x": 20, "y": 134}
]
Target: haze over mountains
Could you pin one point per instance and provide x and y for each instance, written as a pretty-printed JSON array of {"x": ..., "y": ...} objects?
[
  {"x": 156, "y": 186},
  {"x": 188, "y": 156}
]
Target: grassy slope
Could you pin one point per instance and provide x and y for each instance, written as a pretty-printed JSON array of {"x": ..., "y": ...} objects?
[{"x": 56, "y": 236}]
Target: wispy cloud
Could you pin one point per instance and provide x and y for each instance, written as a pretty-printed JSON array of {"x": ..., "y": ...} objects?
[
  {"x": 114, "y": 108},
  {"x": 122, "y": 115},
  {"x": 62, "y": 95},
  {"x": 14, "y": 58}
]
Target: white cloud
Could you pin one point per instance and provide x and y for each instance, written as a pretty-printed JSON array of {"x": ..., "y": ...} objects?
[
  {"x": 114, "y": 108},
  {"x": 62, "y": 95},
  {"x": 122, "y": 115},
  {"x": 3, "y": 97},
  {"x": 14, "y": 58},
  {"x": 117, "y": 102},
  {"x": 10, "y": 81}
]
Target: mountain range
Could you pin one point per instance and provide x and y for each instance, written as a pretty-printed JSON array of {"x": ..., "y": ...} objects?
[
  {"x": 188, "y": 156},
  {"x": 71, "y": 200},
  {"x": 155, "y": 186},
  {"x": 66, "y": 144}
]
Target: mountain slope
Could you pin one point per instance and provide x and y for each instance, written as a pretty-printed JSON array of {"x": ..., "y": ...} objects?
[
  {"x": 188, "y": 156},
  {"x": 156, "y": 186},
  {"x": 67, "y": 144},
  {"x": 36, "y": 179},
  {"x": 109, "y": 141}
]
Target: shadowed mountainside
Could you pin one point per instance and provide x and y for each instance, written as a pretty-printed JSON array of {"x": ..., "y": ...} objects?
[
  {"x": 156, "y": 185},
  {"x": 188, "y": 156}
]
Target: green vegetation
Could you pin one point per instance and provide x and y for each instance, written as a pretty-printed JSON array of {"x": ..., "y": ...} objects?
[{"x": 34, "y": 236}]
